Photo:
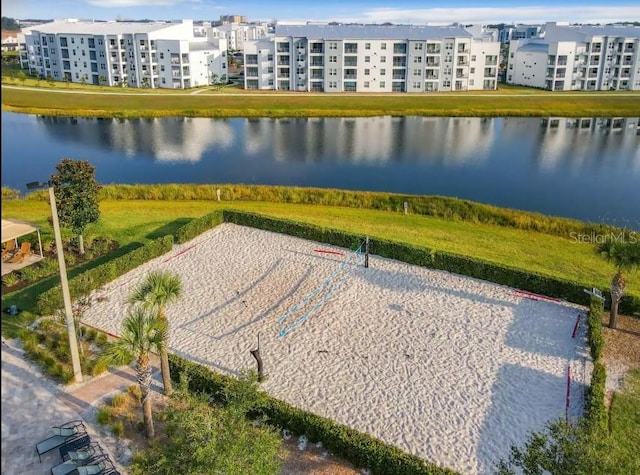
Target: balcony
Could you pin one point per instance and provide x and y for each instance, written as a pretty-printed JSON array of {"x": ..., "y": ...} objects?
[
  {"x": 491, "y": 62},
  {"x": 433, "y": 50}
]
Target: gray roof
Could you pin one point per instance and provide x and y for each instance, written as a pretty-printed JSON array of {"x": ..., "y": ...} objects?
[
  {"x": 535, "y": 47},
  {"x": 202, "y": 46},
  {"x": 83, "y": 27},
  {"x": 372, "y": 32},
  {"x": 584, "y": 33}
]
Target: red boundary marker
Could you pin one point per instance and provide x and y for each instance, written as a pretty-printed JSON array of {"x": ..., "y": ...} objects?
[
  {"x": 575, "y": 327},
  {"x": 532, "y": 296},
  {"x": 326, "y": 251},
  {"x": 180, "y": 253}
]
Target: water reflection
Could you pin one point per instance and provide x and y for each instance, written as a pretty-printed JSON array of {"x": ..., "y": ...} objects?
[{"x": 586, "y": 168}]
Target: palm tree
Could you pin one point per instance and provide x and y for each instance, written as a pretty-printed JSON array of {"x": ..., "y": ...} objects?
[
  {"x": 158, "y": 290},
  {"x": 625, "y": 256},
  {"x": 142, "y": 333}
]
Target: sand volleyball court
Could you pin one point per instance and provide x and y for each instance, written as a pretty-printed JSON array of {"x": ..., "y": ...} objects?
[{"x": 446, "y": 367}]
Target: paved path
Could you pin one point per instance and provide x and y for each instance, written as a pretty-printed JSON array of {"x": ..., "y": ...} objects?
[{"x": 32, "y": 403}]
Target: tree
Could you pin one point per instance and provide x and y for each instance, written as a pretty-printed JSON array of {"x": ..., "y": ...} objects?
[
  {"x": 205, "y": 439},
  {"x": 142, "y": 333},
  {"x": 76, "y": 191},
  {"x": 102, "y": 80},
  {"x": 158, "y": 290},
  {"x": 625, "y": 256}
]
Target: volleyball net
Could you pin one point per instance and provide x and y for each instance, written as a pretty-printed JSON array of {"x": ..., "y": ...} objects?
[{"x": 314, "y": 300}]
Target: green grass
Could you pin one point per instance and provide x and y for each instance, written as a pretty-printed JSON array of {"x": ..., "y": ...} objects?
[
  {"x": 132, "y": 223},
  {"x": 164, "y": 103},
  {"x": 625, "y": 424}
]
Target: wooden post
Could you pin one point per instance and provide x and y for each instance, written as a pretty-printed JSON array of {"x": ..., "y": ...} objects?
[
  {"x": 256, "y": 354},
  {"x": 366, "y": 252},
  {"x": 406, "y": 207}
]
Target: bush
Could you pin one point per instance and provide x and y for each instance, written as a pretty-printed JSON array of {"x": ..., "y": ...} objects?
[
  {"x": 104, "y": 415},
  {"x": 10, "y": 279},
  {"x": 594, "y": 332},
  {"x": 197, "y": 226},
  {"x": 99, "y": 367},
  {"x": 135, "y": 392},
  {"x": 117, "y": 427},
  {"x": 361, "y": 449},
  {"x": 118, "y": 400}
]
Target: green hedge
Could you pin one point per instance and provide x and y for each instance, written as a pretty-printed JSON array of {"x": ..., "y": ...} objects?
[
  {"x": 51, "y": 300},
  {"x": 197, "y": 226},
  {"x": 596, "y": 412},
  {"x": 423, "y": 256},
  {"x": 356, "y": 447}
]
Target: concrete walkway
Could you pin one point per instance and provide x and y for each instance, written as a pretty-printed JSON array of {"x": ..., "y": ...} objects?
[{"x": 32, "y": 404}]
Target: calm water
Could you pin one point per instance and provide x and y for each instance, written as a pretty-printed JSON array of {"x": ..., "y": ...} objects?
[{"x": 588, "y": 169}]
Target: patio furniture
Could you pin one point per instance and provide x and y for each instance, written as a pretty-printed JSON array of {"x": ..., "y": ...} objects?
[
  {"x": 84, "y": 453},
  {"x": 61, "y": 434},
  {"x": 78, "y": 442},
  {"x": 9, "y": 249},
  {"x": 24, "y": 251},
  {"x": 101, "y": 465},
  {"x": 72, "y": 466}
]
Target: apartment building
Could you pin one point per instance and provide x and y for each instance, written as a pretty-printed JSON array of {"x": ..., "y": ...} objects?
[
  {"x": 237, "y": 34},
  {"x": 371, "y": 58},
  {"x": 577, "y": 58},
  {"x": 129, "y": 54}
]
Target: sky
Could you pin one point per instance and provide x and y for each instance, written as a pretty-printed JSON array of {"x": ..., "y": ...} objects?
[{"x": 358, "y": 11}]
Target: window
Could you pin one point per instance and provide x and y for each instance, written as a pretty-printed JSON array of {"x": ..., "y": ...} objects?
[
  {"x": 383, "y": 59},
  {"x": 383, "y": 46},
  {"x": 367, "y": 59},
  {"x": 416, "y": 85},
  {"x": 75, "y": 64},
  {"x": 383, "y": 72},
  {"x": 382, "y": 84},
  {"x": 367, "y": 46},
  {"x": 473, "y": 57},
  {"x": 81, "y": 40},
  {"x": 366, "y": 84},
  {"x": 417, "y": 46},
  {"x": 73, "y": 41},
  {"x": 367, "y": 72},
  {"x": 269, "y": 57},
  {"x": 333, "y": 45},
  {"x": 417, "y": 72},
  {"x": 333, "y": 59},
  {"x": 417, "y": 59},
  {"x": 162, "y": 67},
  {"x": 473, "y": 70},
  {"x": 161, "y": 55},
  {"x": 84, "y": 64}
]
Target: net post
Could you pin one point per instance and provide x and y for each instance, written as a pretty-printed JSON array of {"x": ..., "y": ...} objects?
[{"x": 366, "y": 252}]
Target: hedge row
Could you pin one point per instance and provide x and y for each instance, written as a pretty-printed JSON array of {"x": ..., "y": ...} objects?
[
  {"x": 356, "y": 447},
  {"x": 596, "y": 412},
  {"x": 422, "y": 256},
  {"x": 197, "y": 226},
  {"x": 51, "y": 300}
]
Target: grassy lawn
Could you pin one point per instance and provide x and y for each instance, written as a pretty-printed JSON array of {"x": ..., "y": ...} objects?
[
  {"x": 625, "y": 423},
  {"x": 132, "y": 223},
  {"x": 92, "y": 101}
]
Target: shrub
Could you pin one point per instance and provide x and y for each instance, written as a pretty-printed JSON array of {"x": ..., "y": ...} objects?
[
  {"x": 118, "y": 400},
  {"x": 104, "y": 415},
  {"x": 10, "y": 279},
  {"x": 117, "y": 427},
  {"x": 99, "y": 367},
  {"x": 134, "y": 391},
  {"x": 197, "y": 226}
]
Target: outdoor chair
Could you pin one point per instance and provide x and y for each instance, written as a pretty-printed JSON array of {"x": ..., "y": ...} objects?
[
  {"x": 101, "y": 465},
  {"x": 75, "y": 443},
  {"x": 8, "y": 249},
  {"x": 72, "y": 466},
  {"x": 61, "y": 434},
  {"x": 24, "y": 251},
  {"x": 84, "y": 453}
]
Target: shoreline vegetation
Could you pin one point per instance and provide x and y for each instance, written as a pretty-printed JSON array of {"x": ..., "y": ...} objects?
[{"x": 39, "y": 98}]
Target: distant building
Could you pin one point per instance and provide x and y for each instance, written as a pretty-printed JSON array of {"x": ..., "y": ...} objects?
[
  {"x": 577, "y": 58},
  {"x": 237, "y": 34},
  {"x": 370, "y": 58},
  {"x": 10, "y": 40},
  {"x": 132, "y": 54},
  {"x": 518, "y": 32},
  {"x": 226, "y": 19}
]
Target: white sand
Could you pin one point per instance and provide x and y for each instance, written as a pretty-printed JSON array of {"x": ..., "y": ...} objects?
[{"x": 446, "y": 367}]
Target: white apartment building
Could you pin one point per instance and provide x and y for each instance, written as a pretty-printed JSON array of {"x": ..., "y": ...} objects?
[
  {"x": 577, "y": 58},
  {"x": 237, "y": 34},
  {"x": 371, "y": 58},
  {"x": 132, "y": 54}
]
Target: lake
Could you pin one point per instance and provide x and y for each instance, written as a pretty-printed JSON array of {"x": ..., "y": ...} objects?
[{"x": 585, "y": 168}]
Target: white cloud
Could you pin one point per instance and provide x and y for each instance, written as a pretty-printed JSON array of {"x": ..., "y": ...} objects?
[
  {"x": 137, "y": 3},
  {"x": 540, "y": 14}
]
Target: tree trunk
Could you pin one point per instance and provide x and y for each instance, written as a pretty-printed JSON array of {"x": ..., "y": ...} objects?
[
  {"x": 614, "y": 313},
  {"x": 166, "y": 374},
  {"x": 81, "y": 242},
  {"x": 143, "y": 374},
  {"x": 256, "y": 355}
]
